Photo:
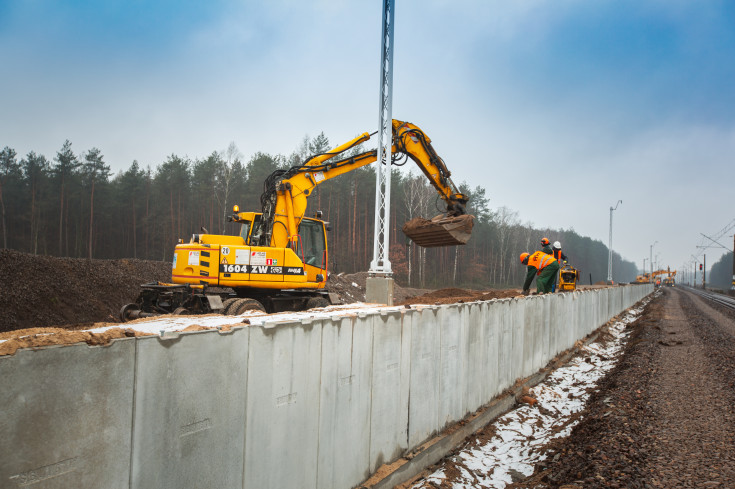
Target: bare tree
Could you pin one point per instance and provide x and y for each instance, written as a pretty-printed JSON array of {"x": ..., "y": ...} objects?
[
  {"x": 505, "y": 220},
  {"x": 418, "y": 196},
  {"x": 225, "y": 177}
]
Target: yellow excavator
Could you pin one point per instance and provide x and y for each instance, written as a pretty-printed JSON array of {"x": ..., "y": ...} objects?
[
  {"x": 647, "y": 278},
  {"x": 279, "y": 259},
  {"x": 669, "y": 280}
]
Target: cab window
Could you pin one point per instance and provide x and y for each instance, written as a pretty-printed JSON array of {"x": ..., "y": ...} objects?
[
  {"x": 256, "y": 234},
  {"x": 245, "y": 230},
  {"x": 312, "y": 241}
]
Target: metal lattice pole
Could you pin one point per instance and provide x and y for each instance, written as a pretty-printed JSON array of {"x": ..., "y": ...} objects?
[
  {"x": 609, "y": 247},
  {"x": 381, "y": 263}
]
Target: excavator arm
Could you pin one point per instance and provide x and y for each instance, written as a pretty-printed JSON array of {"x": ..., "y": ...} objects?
[{"x": 286, "y": 192}]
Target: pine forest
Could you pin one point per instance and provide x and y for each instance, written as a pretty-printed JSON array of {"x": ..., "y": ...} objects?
[{"x": 73, "y": 205}]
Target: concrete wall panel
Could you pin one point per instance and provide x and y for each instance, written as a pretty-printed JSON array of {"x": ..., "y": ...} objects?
[
  {"x": 477, "y": 366},
  {"x": 570, "y": 328},
  {"x": 425, "y": 375},
  {"x": 517, "y": 317},
  {"x": 189, "y": 404},
  {"x": 542, "y": 356},
  {"x": 451, "y": 393},
  {"x": 67, "y": 413},
  {"x": 590, "y": 317},
  {"x": 491, "y": 365},
  {"x": 532, "y": 325},
  {"x": 391, "y": 369},
  {"x": 282, "y": 413},
  {"x": 503, "y": 311},
  {"x": 344, "y": 401}
]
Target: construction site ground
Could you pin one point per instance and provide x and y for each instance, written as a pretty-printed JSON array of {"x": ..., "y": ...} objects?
[
  {"x": 45, "y": 294},
  {"x": 664, "y": 417}
]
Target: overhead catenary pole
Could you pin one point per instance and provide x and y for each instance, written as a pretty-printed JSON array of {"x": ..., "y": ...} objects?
[
  {"x": 732, "y": 287},
  {"x": 694, "y": 281},
  {"x": 609, "y": 248},
  {"x": 650, "y": 260},
  {"x": 380, "y": 265},
  {"x": 704, "y": 272}
]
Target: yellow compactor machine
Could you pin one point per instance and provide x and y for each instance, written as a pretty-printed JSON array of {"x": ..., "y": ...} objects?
[
  {"x": 279, "y": 259},
  {"x": 568, "y": 277}
]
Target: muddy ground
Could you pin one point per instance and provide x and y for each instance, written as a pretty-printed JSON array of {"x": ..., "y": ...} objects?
[{"x": 72, "y": 293}]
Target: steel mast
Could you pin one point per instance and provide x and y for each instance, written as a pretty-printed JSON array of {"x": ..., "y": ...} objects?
[{"x": 380, "y": 264}]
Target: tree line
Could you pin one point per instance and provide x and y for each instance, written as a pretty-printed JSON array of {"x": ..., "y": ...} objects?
[
  {"x": 721, "y": 273},
  {"x": 73, "y": 205}
]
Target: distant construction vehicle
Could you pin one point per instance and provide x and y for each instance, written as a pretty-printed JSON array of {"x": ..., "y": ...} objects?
[
  {"x": 647, "y": 278},
  {"x": 279, "y": 259},
  {"x": 669, "y": 279}
]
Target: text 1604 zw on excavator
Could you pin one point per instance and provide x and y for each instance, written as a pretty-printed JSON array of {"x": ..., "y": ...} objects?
[{"x": 279, "y": 260}]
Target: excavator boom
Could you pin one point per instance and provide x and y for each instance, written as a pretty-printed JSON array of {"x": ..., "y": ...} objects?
[{"x": 285, "y": 199}]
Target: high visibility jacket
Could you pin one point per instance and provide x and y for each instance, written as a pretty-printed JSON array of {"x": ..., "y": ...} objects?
[
  {"x": 540, "y": 260},
  {"x": 558, "y": 254}
]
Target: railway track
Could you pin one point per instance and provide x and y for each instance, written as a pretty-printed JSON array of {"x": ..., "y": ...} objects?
[{"x": 724, "y": 300}]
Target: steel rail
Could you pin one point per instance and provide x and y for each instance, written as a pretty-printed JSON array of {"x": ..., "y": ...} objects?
[{"x": 724, "y": 300}]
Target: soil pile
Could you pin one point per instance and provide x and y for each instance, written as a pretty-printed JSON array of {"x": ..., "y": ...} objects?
[
  {"x": 351, "y": 288},
  {"x": 74, "y": 293},
  {"x": 452, "y": 295},
  {"x": 40, "y": 291}
]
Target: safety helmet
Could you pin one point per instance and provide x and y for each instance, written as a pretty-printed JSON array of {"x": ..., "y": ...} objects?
[
  {"x": 524, "y": 256},
  {"x": 557, "y": 245},
  {"x": 544, "y": 241}
]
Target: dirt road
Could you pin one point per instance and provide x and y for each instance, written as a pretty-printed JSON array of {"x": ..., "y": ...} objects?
[{"x": 665, "y": 416}]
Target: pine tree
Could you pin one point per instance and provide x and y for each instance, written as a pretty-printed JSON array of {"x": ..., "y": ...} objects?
[
  {"x": 9, "y": 171},
  {"x": 95, "y": 171},
  {"x": 66, "y": 165}
]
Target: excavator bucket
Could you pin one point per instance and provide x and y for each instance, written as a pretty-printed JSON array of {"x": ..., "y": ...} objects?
[{"x": 439, "y": 231}]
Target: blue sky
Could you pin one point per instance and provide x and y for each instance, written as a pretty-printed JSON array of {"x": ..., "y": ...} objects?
[{"x": 557, "y": 108}]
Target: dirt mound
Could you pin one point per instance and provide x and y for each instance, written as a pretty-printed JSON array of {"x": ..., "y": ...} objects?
[
  {"x": 58, "y": 336},
  {"x": 452, "y": 295},
  {"x": 351, "y": 288},
  {"x": 40, "y": 291},
  {"x": 74, "y": 293}
]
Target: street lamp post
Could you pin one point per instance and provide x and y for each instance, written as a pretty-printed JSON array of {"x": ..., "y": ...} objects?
[
  {"x": 609, "y": 248},
  {"x": 650, "y": 259}
]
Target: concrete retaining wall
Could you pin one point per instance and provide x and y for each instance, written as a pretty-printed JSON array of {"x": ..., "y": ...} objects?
[{"x": 313, "y": 404}]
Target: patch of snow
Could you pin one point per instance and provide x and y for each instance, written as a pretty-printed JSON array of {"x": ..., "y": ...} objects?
[{"x": 159, "y": 325}]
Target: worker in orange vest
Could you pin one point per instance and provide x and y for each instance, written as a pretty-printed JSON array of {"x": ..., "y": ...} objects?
[
  {"x": 556, "y": 248},
  {"x": 544, "y": 266},
  {"x": 560, "y": 257},
  {"x": 546, "y": 246}
]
